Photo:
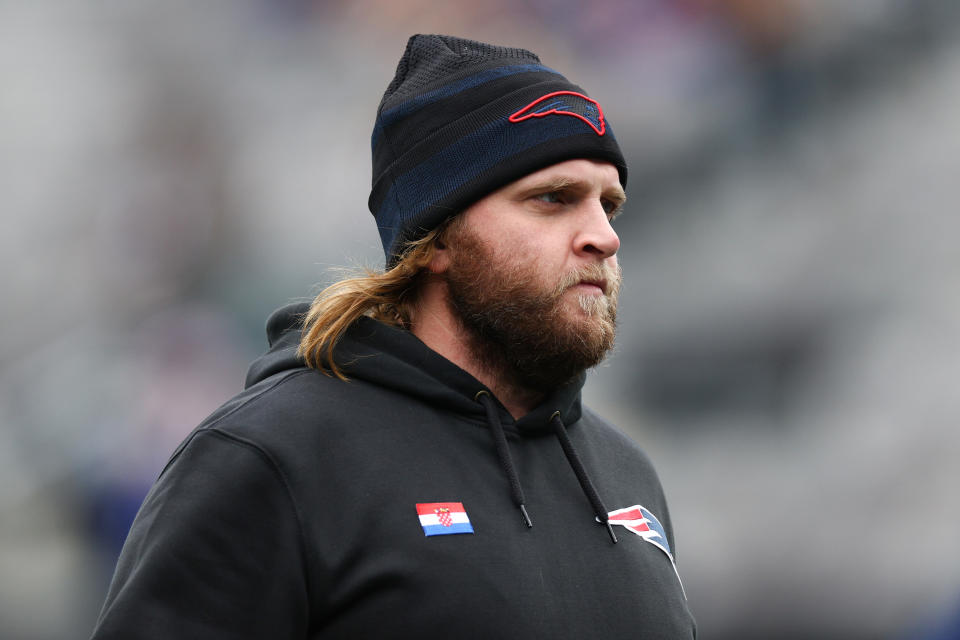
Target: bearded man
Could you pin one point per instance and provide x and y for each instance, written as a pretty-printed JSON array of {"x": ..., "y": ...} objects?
[{"x": 411, "y": 457}]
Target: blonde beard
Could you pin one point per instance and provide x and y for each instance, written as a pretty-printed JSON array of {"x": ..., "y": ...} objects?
[
  {"x": 533, "y": 336},
  {"x": 602, "y": 307}
]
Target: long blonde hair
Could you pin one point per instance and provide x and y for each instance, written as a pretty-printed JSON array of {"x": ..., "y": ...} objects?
[{"x": 387, "y": 296}]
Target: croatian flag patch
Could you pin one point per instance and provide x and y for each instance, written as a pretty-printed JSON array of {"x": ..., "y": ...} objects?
[{"x": 443, "y": 518}]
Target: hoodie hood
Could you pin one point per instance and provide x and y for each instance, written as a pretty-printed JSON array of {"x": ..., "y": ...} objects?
[{"x": 394, "y": 358}]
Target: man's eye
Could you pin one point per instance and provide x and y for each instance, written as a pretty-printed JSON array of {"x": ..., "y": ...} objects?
[
  {"x": 611, "y": 208},
  {"x": 551, "y": 197}
]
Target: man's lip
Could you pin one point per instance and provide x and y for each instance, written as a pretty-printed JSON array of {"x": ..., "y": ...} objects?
[{"x": 600, "y": 284}]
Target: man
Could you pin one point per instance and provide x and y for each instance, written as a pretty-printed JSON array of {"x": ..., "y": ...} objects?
[{"x": 411, "y": 457}]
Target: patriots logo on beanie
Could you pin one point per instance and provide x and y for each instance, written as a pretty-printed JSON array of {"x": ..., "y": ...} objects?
[
  {"x": 461, "y": 119},
  {"x": 569, "y": 103}
]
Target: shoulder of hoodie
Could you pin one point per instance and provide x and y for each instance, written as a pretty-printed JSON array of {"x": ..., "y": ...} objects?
[
  {"x": 280, "y": 413},
  {"x": 612, "y": 436},
  {"x": 616, "y": 455}
]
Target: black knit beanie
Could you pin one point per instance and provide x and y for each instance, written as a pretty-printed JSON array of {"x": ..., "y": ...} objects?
[{"x": 462, "y": 119}]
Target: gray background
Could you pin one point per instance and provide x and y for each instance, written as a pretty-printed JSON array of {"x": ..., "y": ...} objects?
[{"x": 172, "y": 171}]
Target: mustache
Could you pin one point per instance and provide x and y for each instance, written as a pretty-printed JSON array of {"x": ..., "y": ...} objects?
[{"x": 607, "y": 277}]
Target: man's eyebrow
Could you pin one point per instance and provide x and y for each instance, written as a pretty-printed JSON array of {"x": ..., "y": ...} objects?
[
  {"x": 553, "y": 184},
  {"x": 559, "y": 183},
  {"x": 617, "y": 194}
]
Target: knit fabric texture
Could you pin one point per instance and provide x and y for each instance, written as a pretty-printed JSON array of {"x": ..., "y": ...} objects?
[{"x": 460, "y": 119}]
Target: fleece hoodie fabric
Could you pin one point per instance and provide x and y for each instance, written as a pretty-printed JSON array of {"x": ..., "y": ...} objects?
[{"x": 292, "y": 512}]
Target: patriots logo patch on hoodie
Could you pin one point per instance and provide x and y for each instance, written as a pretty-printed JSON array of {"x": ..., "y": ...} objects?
[{"x": 641, "y": 521}]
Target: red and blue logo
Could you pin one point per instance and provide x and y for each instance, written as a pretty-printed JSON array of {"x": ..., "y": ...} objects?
[
  {"x": 443, "y": 518},
  {"x": 565, "y": 103},
  {"x": 640, "y": 521}
]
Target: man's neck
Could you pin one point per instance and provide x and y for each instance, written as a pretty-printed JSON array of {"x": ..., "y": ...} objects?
[{"x": 435, "y": 324}]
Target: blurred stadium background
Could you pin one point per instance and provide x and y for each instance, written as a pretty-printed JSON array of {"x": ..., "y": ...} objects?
[{"x": 172, "y": 171}]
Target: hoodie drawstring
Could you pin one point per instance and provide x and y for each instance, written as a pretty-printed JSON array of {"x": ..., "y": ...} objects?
[
  {"x": 588, "y": 489},
  {"x": 503, "y": 451},
  {"x": 506, "y": 461}
]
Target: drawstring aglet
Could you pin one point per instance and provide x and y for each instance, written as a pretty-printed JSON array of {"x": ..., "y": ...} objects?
[
  {"x": 613, "y": 536},
  {"x": 526, "y": 517},
  {"x": 606, "y": 522}
]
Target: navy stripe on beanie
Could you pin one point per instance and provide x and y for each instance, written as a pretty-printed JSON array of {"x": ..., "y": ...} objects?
[
  {"x": 461, "y": 119},
  {"x": 394, "y": 114}
]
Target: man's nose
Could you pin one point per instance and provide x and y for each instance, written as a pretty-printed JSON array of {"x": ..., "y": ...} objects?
[{"x": 597, "y": 237}]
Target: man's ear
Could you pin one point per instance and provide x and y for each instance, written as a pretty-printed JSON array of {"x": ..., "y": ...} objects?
[{"x": 441, "y": 258}]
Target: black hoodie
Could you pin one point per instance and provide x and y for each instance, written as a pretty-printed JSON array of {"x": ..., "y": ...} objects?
[{"x": 301, "y": 509}]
